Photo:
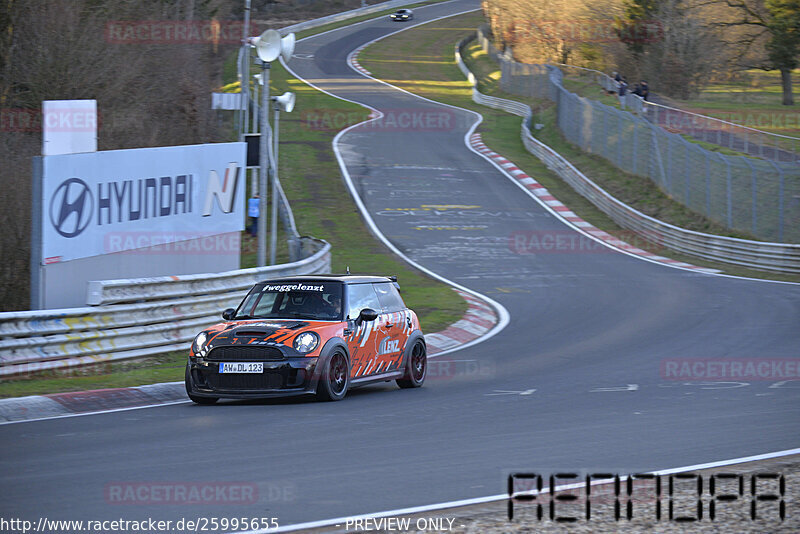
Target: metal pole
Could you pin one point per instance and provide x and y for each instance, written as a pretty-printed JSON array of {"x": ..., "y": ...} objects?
[
  {"x": 263, "y": 163},
  {"x": 274, "y": 237},
  {"x": 256, "y": 109},
  {"x": 245, "y": 78}
]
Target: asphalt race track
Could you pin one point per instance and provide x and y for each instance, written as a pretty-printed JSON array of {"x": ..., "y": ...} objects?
[{"x": 575, "y": 381}]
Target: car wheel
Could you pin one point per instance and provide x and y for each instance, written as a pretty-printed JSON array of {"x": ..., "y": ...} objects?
[
  {"x": 194, "y": 398},
  {"x": 334, "y": 379},
  {"x": 416, "y": 367}
]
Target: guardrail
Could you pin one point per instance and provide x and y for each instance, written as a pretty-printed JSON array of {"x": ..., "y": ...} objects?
[
  {"x": 135, "y": 318},
  {"x": 779, "y": 257}
]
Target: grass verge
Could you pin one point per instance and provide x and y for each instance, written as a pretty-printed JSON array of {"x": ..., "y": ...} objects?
[
  {"x": 421, "y": 61},
  {"x": 163, "y": 368}
]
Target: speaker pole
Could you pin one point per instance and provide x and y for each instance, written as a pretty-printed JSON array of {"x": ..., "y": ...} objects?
[
  {"x": 274, "y": 237},
  {"x": 263, "y": 167}
]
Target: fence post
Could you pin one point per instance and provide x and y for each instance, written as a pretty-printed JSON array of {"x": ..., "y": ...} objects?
[
  {"x": 605, "y": 133},
  {"x": 669, "y": 164},
  {"x": 686, "y": 165},
  {"x": 708, "y": 184},
  {"x": 619, "y": 141},
  {"x": 754, "y": 190},
  {"x": 728, "y": 191},
  {"x": 780, "y": 199},
  {"x": 635, "y": 143}
]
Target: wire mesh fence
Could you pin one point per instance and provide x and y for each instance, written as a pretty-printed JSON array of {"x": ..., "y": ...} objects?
[{"x": 748, "y": 194}]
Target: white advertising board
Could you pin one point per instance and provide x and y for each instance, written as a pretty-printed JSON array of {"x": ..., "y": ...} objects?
[
  {"x": 123, "y": 200},
  {"x": 69, "y": 126}
]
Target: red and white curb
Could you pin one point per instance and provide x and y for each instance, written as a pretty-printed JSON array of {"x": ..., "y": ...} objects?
[
  {"x": 563, "y": 212},
  {"x": 479, "y": 319},
  {"x": 93, "y": 401},
  {"x": 353, "y": 59}
]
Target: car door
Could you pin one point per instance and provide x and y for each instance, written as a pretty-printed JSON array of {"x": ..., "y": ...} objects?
[
  {"x": 364, "y": 339},
  {"x": 396, "y": 325}
]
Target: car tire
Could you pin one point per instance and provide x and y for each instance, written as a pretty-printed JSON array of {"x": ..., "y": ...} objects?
[
  {"x": 416, "y": 366},
  {"x": 334, "y": 379},
  {"x": 194, "y": 398}
]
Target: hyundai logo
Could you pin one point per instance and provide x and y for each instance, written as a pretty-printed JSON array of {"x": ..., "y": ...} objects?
[{"x": 71, "y": 207}]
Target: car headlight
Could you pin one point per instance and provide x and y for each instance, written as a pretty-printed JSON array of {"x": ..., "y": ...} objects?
[
  {"x": 306, "y": 342},
  {"x": 199, "y": 344}
]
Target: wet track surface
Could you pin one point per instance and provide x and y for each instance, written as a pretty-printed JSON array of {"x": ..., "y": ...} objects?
[{"x": 576, "y": 380}]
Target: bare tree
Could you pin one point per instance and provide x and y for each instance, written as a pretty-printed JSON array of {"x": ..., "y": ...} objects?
[
  {"x": 765, "y": 35},
  {"x": 147, "y": 95}
]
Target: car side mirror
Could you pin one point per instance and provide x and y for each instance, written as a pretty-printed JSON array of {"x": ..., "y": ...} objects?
[
  {"x": 229, "y": 314},
  {"x": 367, "y": 314}
]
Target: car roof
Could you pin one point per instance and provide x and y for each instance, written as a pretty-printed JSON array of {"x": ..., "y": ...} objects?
[{"x": 346, "y": 278}]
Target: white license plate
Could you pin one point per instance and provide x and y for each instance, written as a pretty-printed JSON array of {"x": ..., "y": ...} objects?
[{"x": 241, "y": 367}]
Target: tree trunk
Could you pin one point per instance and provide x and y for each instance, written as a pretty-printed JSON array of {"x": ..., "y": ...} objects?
[{"x": 786, "y": 83}]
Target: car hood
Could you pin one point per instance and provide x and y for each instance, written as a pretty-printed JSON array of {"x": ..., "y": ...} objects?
[{"x": 277, "y": 331}]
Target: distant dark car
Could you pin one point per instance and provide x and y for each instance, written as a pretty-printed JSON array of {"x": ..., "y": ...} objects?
[
  {"x": 302, "y": 335},
  {"x": 402, "y": 15}
]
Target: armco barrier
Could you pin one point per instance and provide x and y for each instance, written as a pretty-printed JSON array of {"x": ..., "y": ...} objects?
[
  {"x": 135, "y": 318},
  {"x": 779, "y": 257}
]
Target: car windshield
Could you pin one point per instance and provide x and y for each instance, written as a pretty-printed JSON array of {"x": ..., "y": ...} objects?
[{"x": 315, "y": 300}]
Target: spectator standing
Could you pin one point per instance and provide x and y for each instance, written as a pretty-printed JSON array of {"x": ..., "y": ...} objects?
[
  {"x": 623, "y": 89},
  {"x": 645, "y": 89}
]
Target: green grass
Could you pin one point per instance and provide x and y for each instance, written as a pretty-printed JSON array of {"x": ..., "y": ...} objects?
[
  {"x": 164, "y": 368},
  {"x": 322, "y": 207},
  {"x": 752, "y": 98},
  {"x": 421, "y": 61}
]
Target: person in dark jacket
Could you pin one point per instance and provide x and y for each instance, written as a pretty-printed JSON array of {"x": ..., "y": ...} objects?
[{"x": 645, "y": 89}]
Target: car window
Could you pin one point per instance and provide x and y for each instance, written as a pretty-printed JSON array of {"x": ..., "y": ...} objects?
[
  {"x": 320, "y": 300},
  {"x": 361, "y": 296},
  {"x": 389, "y": 297},
  {"x": 264, "y": 304}
]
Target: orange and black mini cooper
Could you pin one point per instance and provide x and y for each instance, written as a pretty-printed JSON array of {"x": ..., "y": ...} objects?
[{"x": 302, "y": 335}]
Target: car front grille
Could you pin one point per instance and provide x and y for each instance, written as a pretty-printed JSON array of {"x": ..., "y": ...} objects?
[
  {"x": 245, "y": 381},
  {"x": 244, "y": 353}
]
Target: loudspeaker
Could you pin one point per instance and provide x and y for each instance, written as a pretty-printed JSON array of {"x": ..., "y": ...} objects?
[
  {"x": 287, "y": 47},
  {"x": 286, "y": 100},
  {"x": 268, "y": 45}
]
